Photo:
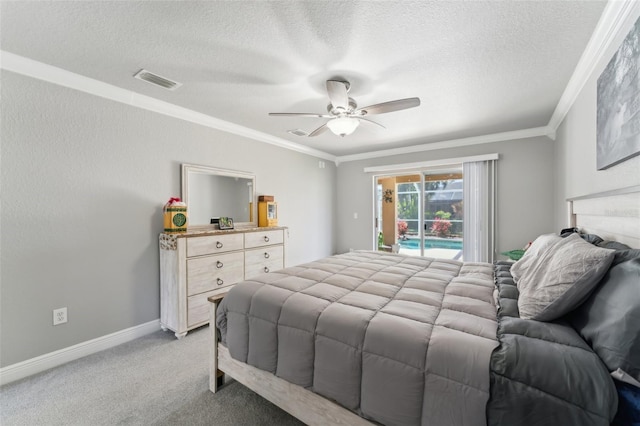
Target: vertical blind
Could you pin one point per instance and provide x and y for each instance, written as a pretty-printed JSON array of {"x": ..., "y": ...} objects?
[
  {"x": 479, "y": 194},
  {"x": 479, "y": 211}
]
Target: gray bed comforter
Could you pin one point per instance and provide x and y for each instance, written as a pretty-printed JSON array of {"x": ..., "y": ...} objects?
[
  {"x": 399, "y": 340},
  {"x": 543, "y": 373}
]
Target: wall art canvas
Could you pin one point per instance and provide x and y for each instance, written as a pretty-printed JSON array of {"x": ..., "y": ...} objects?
[{"x": 618, "y": 121}]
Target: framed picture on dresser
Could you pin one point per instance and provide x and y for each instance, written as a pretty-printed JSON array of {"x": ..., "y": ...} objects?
[{"x": 226, "y": 223}]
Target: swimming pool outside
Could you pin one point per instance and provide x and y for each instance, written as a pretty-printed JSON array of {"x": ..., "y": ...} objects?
[{"x": 432, "y": 242}]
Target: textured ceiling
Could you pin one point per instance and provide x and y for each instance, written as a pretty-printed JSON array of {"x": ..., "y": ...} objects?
[{"x": 479, "y": 67}]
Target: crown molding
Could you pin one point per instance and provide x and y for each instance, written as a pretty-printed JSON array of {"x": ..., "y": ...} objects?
[
  {"x": 453, "y": 143},
  {"x": 615, "y": 18},
  {"x": 38, "y": 70}
]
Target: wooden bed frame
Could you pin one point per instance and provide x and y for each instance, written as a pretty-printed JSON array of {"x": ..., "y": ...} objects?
[{"x": 613, "y": 215}]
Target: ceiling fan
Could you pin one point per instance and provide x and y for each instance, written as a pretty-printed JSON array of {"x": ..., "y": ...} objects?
[{"x": 343, "y": 112}]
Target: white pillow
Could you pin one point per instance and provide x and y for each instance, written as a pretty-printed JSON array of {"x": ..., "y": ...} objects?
[
  {"x": 562, "y": 278},
  {"x": 539, "y": 246}
]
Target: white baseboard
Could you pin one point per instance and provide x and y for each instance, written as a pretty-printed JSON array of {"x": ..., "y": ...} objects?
[{"x": 44, "y": 362}]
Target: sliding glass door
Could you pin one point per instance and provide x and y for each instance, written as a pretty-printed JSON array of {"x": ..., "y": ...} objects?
[
  {"x": 443, "y": 213},
  {"x": 442, "y": 208},
  {"x": 421, "y": 214},
  {"x": 397, "y": 210}
]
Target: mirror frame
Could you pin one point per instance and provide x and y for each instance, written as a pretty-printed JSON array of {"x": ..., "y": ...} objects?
[{"x": 186, "y": 168}]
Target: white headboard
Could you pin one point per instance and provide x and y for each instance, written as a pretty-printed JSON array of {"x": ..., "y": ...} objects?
[{"x": 613, "y": 215}]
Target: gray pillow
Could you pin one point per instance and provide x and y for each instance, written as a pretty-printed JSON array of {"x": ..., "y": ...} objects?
[
  {"x": 539, "y": 246},
  {"x": 561, "y": 278},
  {"x": 609, "y": 321}
]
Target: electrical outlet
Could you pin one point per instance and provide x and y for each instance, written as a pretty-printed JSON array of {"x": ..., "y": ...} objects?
[{"x": 59, "y": 316}]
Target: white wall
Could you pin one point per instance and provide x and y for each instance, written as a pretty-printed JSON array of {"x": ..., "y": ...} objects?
[
  {"x": 83, "y": 184},
  {"x": 575, "y": 148},
  {"x": 524, "y": 186}
]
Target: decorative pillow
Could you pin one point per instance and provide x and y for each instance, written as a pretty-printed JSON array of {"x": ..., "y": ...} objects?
[
  {"x": 628, "y": 405},
  {"x": 614, "y": 245},
  {"x": 539, "y": 245},
  {"x": 561, "y": 278},
  {"x": 609, "y": 321},
  {"x": 592, "y": 238}
]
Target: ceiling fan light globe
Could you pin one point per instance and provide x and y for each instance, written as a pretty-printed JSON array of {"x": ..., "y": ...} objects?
[{"x": 342, "y": 126}]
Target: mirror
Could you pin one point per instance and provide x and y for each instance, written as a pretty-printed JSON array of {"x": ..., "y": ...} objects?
[{"x": 213, "y": 193}]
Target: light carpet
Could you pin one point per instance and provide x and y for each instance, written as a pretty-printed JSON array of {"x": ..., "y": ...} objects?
[{"x": 153, "y": 380}]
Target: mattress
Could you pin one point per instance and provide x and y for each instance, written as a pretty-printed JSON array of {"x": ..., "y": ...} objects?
[{"x": 398, "y": 340}]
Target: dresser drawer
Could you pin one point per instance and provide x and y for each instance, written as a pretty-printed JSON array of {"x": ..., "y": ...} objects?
[
  {"x": 211, "y": 272},
  {"x": 263, "y": 261},
  {"x": 198, "y": 307},
  {"x": 263, "y": 238},
  {"x": 262, "y": 255},
  {"x": 198, "y": 246}
]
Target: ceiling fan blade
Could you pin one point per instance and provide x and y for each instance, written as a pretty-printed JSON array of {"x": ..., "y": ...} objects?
[
  {"x": 299, "y": 114},
  {"x": 319, "y": 130},
  {"x": 337, "y": 91},
  {"x": 390, "y": 106},
  {"x": 371, "y": 121}
]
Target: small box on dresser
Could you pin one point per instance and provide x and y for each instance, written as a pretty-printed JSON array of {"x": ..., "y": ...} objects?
[
  {"x": 197, "y": 265},
  {"x": 267, "y": 212}
]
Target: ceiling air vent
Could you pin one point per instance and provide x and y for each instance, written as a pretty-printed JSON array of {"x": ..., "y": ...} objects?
[
  {"x": 298, "y": 132},
  {"x": 152, "y": 78}
]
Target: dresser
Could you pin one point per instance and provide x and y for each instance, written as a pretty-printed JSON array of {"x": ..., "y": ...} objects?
[{"x": 197, "y": 265}]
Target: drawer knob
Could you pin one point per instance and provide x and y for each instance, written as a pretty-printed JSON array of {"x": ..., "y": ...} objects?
[
  {"x": 218, "y": 244},
  {"x": 266, "y": 239},
  {"x": 266, "y": 255},
  {"x": 219, "y": 264},
  {"x": 220, "y": 282},
  {"x": 266, "y": 269}
]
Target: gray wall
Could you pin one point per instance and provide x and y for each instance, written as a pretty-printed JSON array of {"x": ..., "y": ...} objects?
[
  {"x": 84, "y": 179},
  {"x": 576, "y": 148},
  {"x": 83, "y": 184},
  {"x": 525, "y": 192}
]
